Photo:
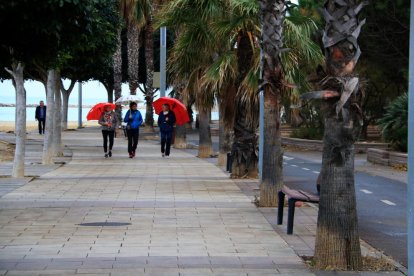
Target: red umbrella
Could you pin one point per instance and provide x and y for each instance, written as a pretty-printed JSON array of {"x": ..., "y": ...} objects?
[
  {"x": 97, "y": 110},
  {"x": 176, "y": 106}
]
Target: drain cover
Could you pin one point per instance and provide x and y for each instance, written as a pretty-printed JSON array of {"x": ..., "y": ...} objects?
[{"x": 105, "y": 223}]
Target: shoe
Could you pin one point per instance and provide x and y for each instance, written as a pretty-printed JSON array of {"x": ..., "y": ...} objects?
[
  {"x": 110, "y": 154},
  {"x": 167, "y": 156},
  {"x": 163, "y": 154},
  {"x": 133, "y": 154},
  {"x": 106, "y": 155},
  {"x": 130, "y": 155}
]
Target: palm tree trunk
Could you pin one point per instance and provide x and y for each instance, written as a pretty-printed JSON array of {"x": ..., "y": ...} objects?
[
  {"x": 149, "y": 58},
  {"x": 337, "y": 240},
  {"x": 117, "y": 58},
  {"x": 272, "y": 16},
  {"x": 65, "y": 102},
  {"x": 205, "y": 148},
  {"x": 133, "y": 51},
  {"x": 224, "y": 142},
  {"x": 244, "y": 146},
  {"x": 47, "y": 158},
  {"x": 18, "y": 164},
  {"x": 180, "y": 141}
]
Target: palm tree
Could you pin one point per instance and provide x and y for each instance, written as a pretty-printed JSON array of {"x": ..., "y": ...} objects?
[
  {"x": 117, "y": 61},
  {"x": 191, "y": 54},
  {"x": 272, "y": 17},
  {"x": 128, "y": 12},
  {"x": 145, "y": 10},
  {"x": 337, "y": 241},
  {"x": 240, "y": 66}
]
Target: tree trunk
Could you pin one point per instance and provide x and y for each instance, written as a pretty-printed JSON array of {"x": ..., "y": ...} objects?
[
  {"x": 272, "y": 16},
  {"x": 20, "y": 129},
  {"x": 48, "y": 153},
  {"x": 224, "y": 143},
  {"x": 337, "y": 243},
  {"x": 244, "y": 146},
  {"x": 205, "y": 148},
  {"x": 180, "y": 141},
  {"x": 337, "y": 239},
  {"x": 110, "y": 92},
  {"x": 65, "y": 105},
  {"x": 117, "y": 58},
  {"x": 149, "y": 59},
  {"x": 133, "y": 46},
  {"x": 272, "y": 176},
  {"x": 149, "y": 114},
  {"x": 189, "y": 125},
  {"x": 57, "y": 120}
]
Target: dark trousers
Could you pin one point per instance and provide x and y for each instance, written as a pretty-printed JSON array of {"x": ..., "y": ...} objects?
[
  {"x": 108, "y": 134},
  {"x": 133, "y": 135},
  {"x": 166, "y": 142},
  {"x": 41, "y": 123}
]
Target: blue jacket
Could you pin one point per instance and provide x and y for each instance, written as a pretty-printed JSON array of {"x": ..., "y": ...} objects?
[
  {"x": 164, "y": 124},
  {"x": 135, "y": 121}
]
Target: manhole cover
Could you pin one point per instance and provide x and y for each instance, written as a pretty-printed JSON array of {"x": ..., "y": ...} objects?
[{"x": 105, "y": 223}]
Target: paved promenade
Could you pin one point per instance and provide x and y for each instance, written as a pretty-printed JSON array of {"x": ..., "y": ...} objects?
[{"x": 142, "y": 216}]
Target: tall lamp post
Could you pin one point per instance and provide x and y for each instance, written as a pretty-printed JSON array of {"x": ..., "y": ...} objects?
[
  {"x": 410, "y": 214},
  {"x": 163, "y": 60}
]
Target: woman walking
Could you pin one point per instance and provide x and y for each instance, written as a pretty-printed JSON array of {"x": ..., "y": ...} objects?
[
  {"x": 109, "y": 122},
  {"x": 133, "y": 118},
  {"x": 166, "y": 122}
]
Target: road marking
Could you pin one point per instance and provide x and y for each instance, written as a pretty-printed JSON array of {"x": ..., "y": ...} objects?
[
  {"x": 316, "y": 172},
  {"x": 305, "y": 169},
  {"x": 388, "y": 202},
  {"x": 366, "y": 191},
  {"x": 285, "y": 163},
  {"x": 288, "y": 158},
  {"x": 294, "y": 166}
]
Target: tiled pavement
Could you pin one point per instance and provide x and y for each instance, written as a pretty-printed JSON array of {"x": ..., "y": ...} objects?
[{"x": 177, "y": 216}]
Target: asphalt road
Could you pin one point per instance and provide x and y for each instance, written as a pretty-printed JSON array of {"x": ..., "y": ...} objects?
[{"x": 381, "y": 205}]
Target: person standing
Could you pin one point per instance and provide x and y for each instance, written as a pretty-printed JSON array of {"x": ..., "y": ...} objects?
[
  {"x": 40, "y": 116},
  {"x": 166, "y": 122},
  {"x": 133, "y": 118},
  {"x": 109, "y": 122}
]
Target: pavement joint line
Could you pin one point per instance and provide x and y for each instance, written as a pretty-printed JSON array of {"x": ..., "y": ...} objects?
[{"x": 388, "y": 202}]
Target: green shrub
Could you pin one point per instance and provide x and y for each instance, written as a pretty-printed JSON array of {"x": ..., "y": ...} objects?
[
  {"x": 308, "y": 133},
  {"x": 394, "y": 124}
]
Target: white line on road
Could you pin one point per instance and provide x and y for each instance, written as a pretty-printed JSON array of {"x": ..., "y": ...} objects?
[
  {"x": 388, "y": 202},
  {"x": 305, "y": 169},
  {"x": 316, "y": 172},
  {"x": 288, "y": 158},
  {"x": 285, "y": 163},
  {"x": 366, "y": 191},
  {"x": 294, "y": 166}
]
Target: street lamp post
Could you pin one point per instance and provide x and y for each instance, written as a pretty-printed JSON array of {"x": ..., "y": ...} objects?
[
  {"x": 410, "y": 215},
  {"x": 163, "y": 60}
]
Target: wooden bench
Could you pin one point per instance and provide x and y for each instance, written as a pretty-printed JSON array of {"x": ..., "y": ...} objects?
[{"x": 293, "y": 197}]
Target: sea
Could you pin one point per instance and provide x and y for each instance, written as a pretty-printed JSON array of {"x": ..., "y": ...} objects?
[{"x": 93, "y": 93}]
